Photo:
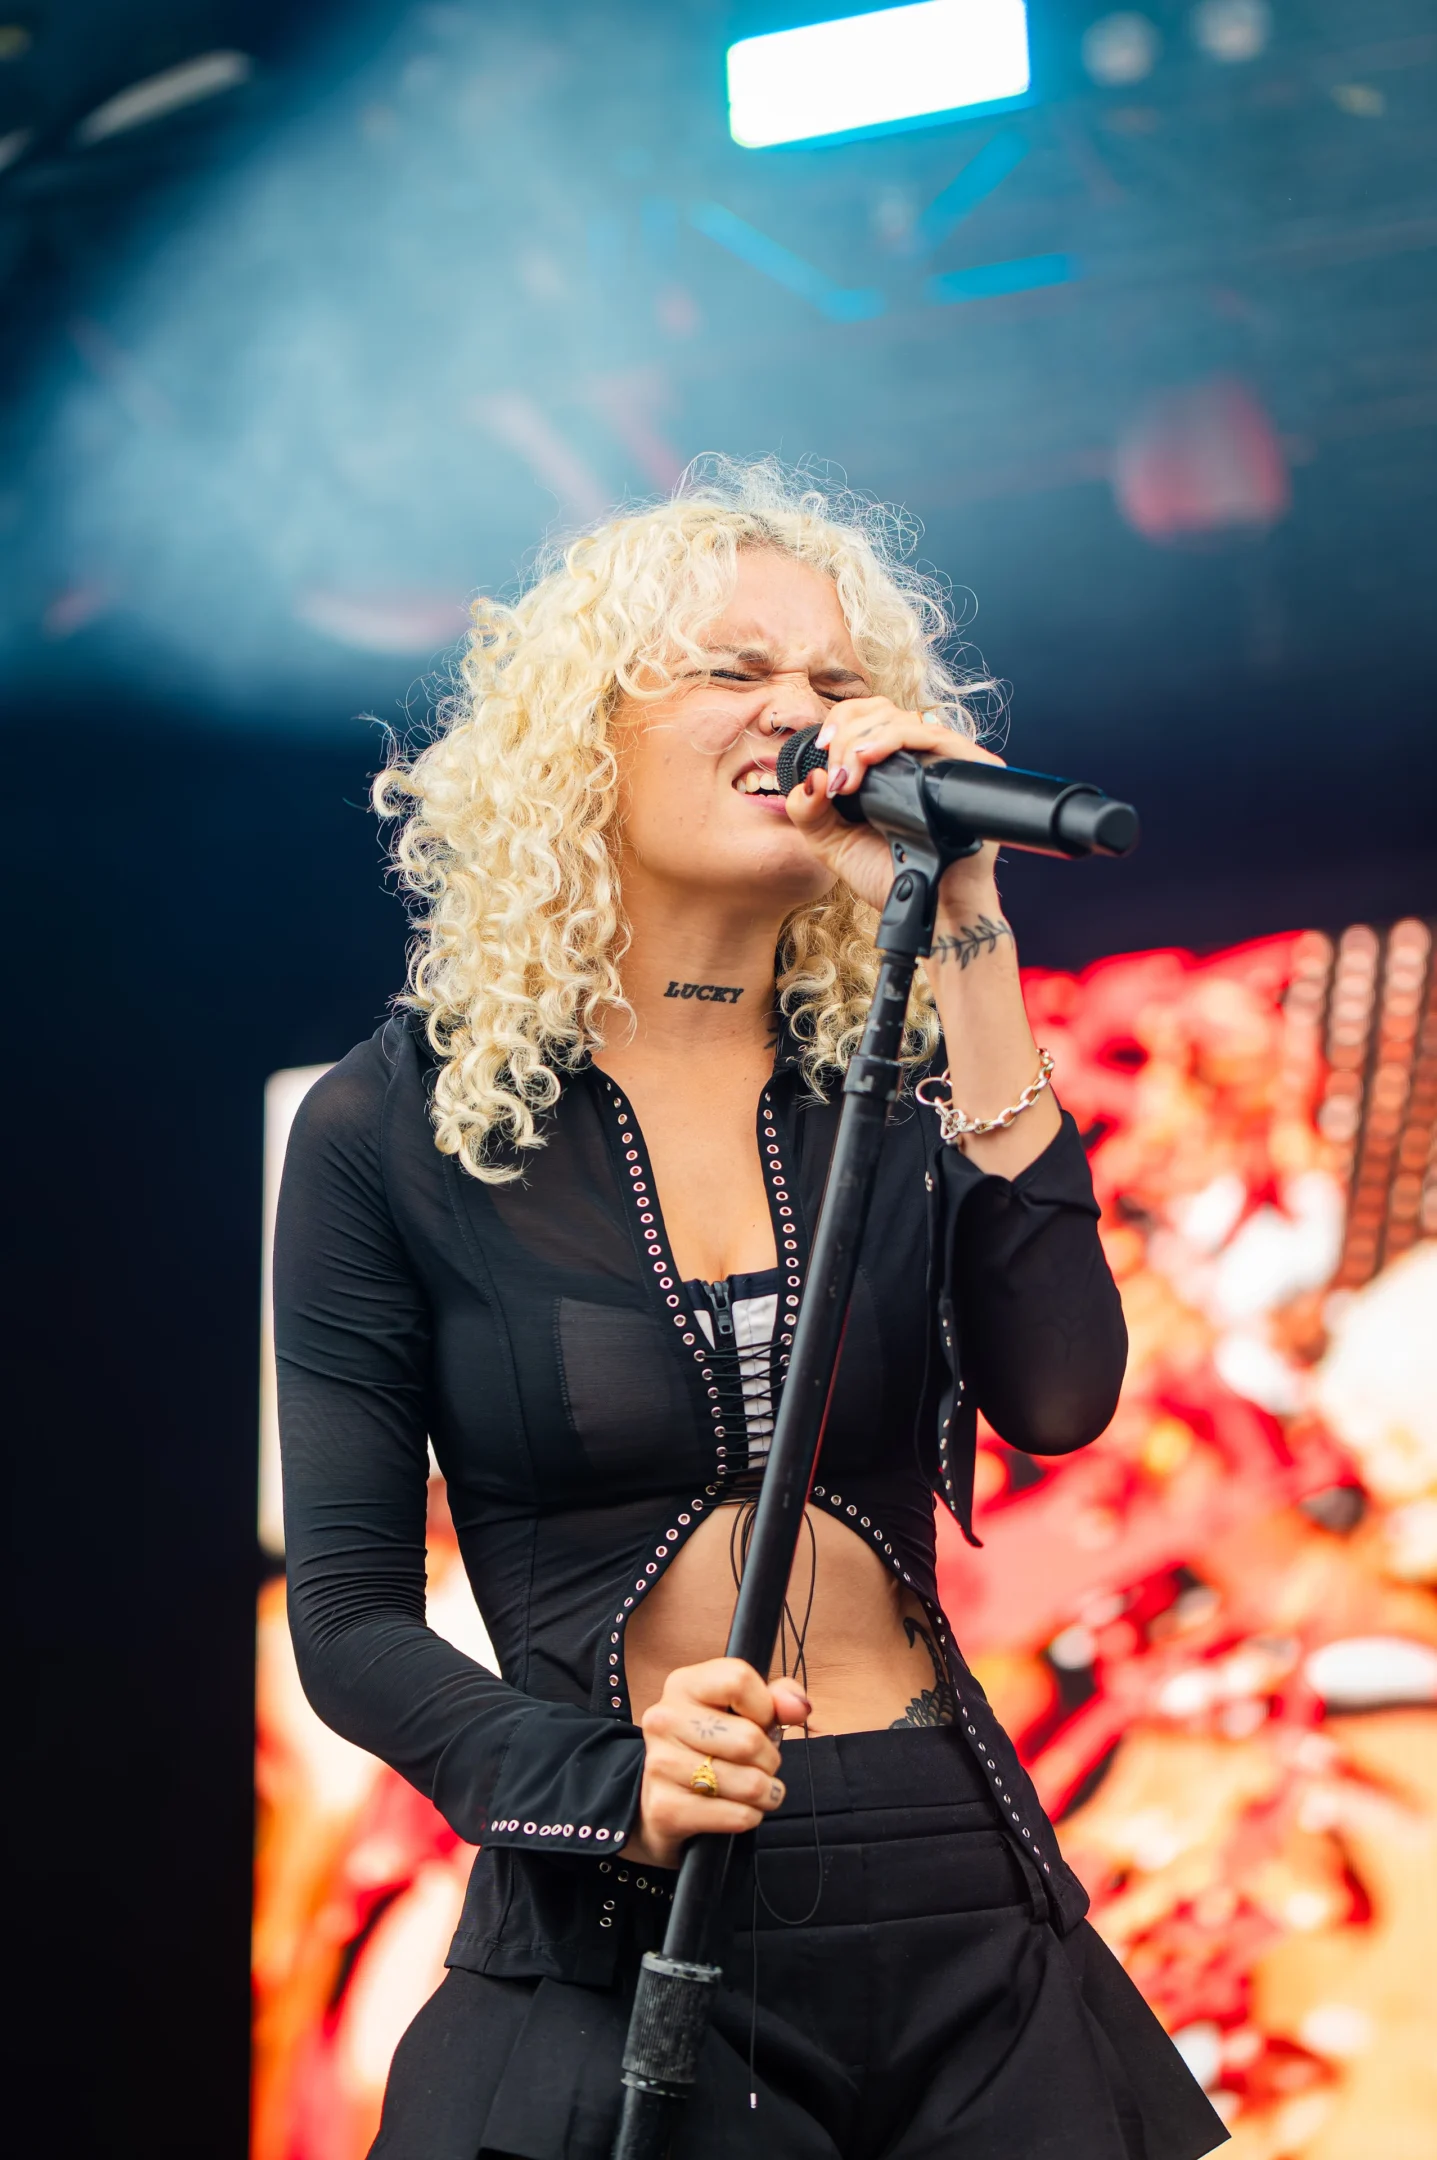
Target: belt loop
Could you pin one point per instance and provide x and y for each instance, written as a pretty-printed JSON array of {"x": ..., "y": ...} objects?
[{"x": 1039, "y": 1903}]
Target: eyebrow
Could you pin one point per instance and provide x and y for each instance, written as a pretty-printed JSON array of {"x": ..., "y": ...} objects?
[{"x": 757, "y": 656}]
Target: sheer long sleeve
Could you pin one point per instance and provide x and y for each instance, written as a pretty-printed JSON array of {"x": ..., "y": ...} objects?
[
  {"x": 1030, "y": 1310},
  {"x": 352, "y": 1334}
]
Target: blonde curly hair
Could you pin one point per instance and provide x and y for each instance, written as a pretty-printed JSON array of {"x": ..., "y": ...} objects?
[{"x": 509, "y": 842}]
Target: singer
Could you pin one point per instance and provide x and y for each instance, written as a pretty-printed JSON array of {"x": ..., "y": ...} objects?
[{"x": 554, "y": 1218}]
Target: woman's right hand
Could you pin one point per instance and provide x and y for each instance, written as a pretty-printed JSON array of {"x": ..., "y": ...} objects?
[{"x": 723, "y": 1711}]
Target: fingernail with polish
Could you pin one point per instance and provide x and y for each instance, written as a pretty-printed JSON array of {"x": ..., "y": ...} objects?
[
  {"x": 825, "y": 735},
  {"x": 837, "y": 780},
  {"x": 810, "y": 782}
]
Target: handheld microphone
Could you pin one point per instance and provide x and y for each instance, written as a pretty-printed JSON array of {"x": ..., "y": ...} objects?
[{"x": 954, "y": 804}]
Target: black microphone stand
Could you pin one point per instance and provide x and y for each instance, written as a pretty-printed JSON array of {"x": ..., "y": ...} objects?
[{"x": 676, "y": 1987}]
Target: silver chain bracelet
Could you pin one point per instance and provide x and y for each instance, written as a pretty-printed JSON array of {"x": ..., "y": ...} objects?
[{"x": 955, "y": 1124}]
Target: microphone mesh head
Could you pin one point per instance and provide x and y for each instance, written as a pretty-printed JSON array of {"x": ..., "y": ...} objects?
[{"x": 799, "y": 756}]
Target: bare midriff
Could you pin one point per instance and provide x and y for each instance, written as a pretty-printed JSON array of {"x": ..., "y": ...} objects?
[{"x": 869, "y": 1648}]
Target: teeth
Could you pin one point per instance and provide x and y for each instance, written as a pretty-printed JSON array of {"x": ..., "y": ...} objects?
[{"x": 757, "y": 782}]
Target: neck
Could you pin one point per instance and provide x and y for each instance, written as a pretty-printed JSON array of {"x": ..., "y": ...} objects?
[{"x": 698, "y": 973}]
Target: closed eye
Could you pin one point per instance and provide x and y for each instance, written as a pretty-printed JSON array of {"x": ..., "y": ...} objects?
[{"x": 834, "y": 697}]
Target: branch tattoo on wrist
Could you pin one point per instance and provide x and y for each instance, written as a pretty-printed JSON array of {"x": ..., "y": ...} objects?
[{"x": 971, "y": 939}]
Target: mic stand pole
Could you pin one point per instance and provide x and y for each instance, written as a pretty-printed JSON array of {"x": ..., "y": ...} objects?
[{"x": 676, "y": 1987}]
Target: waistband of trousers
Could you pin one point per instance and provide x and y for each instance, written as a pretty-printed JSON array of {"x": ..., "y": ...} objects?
[{"x": 903, "y": 1767}]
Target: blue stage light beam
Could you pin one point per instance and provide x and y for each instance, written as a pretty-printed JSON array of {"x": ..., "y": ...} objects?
[
  {"x": 991, "y": 281},
  {"x": 840, "y": 303},
  {"x": 977, "y": 181},
  {"x": 901, "y": 67}
]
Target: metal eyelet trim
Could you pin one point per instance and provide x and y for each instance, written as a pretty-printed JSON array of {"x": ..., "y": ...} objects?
[
  {"x": 788, "y": 1261},
  {"x": 847, "y": 1509},
  {"x": 563, "y": 1830},
  {"x": 662, "y": 1266},
  {"x": 661, "y": 1262}
]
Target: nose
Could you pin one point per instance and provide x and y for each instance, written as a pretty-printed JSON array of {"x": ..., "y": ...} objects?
[{"x": 793, "y": 703}]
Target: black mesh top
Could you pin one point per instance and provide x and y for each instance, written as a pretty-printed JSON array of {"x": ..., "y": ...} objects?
[{"x": 538, "y": 1333}]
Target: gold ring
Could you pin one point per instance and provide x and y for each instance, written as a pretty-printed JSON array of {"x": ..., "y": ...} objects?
[{"x": 704, "y": 1780}]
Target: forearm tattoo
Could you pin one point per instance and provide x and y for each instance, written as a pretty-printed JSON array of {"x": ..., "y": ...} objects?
[
  {"x": 707, "y": 993},
  {"x": 971, "y": 939},
  {"x": 930, "y": 1706}
]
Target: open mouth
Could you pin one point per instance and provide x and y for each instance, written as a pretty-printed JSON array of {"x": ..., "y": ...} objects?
[{"x": 755, "y": 780}]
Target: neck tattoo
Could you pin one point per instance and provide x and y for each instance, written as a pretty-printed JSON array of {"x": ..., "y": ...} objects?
[
  {"x": 971, "y": 939},
  {"x": 706, "y": 993}
]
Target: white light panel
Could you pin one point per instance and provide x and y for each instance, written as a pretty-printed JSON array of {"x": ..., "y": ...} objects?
[{"x": 874, "y": 71}]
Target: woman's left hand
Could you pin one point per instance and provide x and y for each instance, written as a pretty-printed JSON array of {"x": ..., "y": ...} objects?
[{"x": 859, "y": 733}]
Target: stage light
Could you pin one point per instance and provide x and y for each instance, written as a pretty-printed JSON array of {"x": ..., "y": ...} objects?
[
  {"x": 1120, "y": 49},
  {"x": 865, "y": 74},
  {"x": 166, "y": 92},
  {"x": 1201, "y": 457},
  {"x": 1363, "y": 100},
  {"x": 1232, "y": 30}
]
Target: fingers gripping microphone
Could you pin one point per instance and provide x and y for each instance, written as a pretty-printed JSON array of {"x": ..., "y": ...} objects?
[{"x": 955, "y": 804}]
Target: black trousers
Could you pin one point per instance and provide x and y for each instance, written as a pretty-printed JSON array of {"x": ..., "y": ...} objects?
[{"x": 890, "y": 1970}]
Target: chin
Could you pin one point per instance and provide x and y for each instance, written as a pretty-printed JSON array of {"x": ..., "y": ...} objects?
[
  {"x": 782, "y": 865},
  {"x": 777, "y": 864}
]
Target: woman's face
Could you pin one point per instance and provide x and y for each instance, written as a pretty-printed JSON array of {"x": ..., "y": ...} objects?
[{"x": 701, "y": 806}]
